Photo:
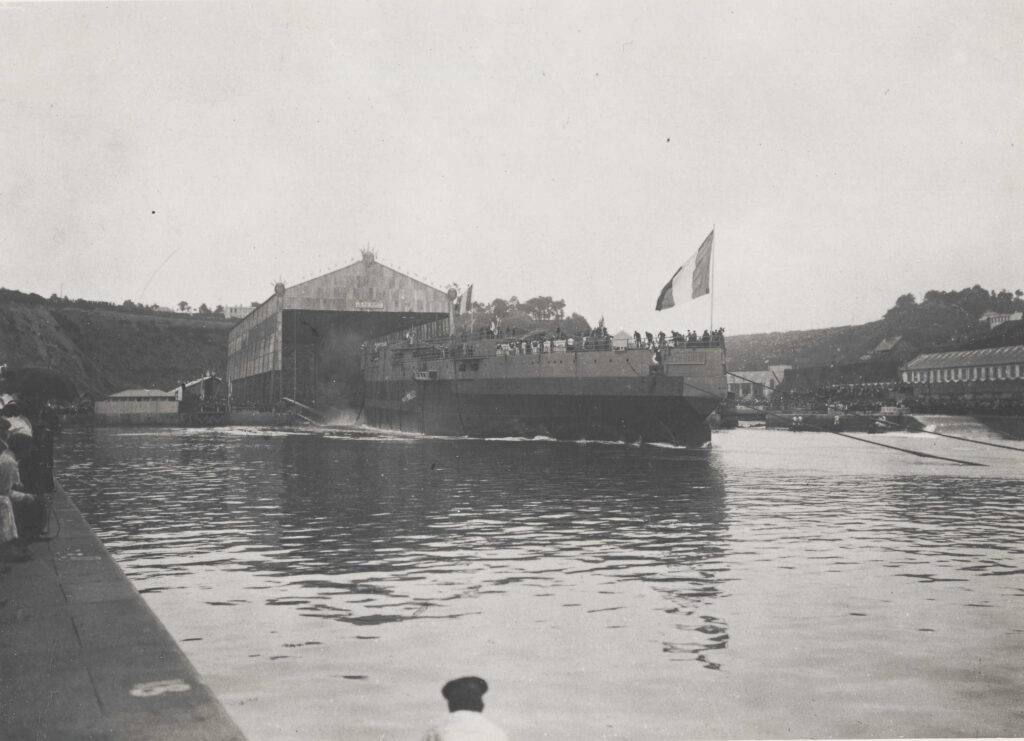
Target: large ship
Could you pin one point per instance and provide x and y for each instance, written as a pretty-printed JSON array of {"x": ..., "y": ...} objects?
[{"x": 568, "y": 389}]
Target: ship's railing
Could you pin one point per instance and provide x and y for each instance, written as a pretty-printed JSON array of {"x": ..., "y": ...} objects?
[
  {"x": 436, "y": 332},
  {"x": 462, "y": 349},
  {"x": 594, "y": 341}
]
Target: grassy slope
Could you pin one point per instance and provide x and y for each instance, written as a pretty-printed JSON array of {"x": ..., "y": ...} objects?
[
  {"x": 107, "y": 351},
  {"x": 805, "y": 347}
]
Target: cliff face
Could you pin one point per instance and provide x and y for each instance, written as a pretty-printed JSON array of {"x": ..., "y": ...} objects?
[{"x": 106, "y": 351}]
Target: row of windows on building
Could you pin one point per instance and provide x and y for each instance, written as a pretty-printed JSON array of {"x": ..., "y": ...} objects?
[{"x": 974, "y": 373}]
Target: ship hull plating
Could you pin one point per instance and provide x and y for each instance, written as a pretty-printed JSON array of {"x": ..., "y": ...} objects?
[{"x": 561, "y": 397}]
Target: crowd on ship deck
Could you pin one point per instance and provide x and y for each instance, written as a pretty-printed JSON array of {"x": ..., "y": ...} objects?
[
  {"x": 597, "y": 339},
  {"x": 517, "y": 341},
  {"x": 689, "y": 338}
]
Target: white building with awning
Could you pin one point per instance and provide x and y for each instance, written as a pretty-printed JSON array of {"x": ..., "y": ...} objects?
[{"x": 995, "y": 371}]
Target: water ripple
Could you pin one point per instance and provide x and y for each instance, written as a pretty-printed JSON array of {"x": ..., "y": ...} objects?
[{"x": 360, "y": 531}]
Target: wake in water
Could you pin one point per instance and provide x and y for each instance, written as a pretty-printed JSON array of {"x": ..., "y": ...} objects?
[
  {"x": 355, "y": 431},
  {"x": 343, "y": 418},
  {"x": 346, "y": 427},
  {"x": 968, "y": 427}
]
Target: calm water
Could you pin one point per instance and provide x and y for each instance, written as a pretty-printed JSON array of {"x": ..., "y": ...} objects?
[{"x": 778, "y": 585}]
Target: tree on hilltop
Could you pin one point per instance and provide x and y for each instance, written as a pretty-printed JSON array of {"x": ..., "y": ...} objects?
[
  {"x": 544, "y": 308},
  {"x": 498, "y": 307},
  {"x": 949, "y": 318},
  {"x": 539, "y": 312}
]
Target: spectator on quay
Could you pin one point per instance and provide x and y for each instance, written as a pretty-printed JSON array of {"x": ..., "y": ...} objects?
[
  {"x": 32, "y": 447},
  {"x": 10, "y": 489},
  {"x": 465, "y": 721}
]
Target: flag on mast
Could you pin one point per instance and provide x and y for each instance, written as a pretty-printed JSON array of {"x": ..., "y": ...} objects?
[
  {"x": 692, "y": 280},
  {"x": 465, "y": 300}
]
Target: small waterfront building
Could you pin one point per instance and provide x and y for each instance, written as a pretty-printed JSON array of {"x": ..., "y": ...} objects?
[
  {"x": 991, "y": 373},
  {"x": 757, "y": 384},
  {"x": 137, "y": 407}
]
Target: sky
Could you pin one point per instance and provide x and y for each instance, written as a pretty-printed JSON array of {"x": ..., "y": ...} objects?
[{"x": 844, "y": 153}]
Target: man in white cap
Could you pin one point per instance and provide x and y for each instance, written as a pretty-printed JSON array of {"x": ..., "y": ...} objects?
[{"x": 465, "y": 721}]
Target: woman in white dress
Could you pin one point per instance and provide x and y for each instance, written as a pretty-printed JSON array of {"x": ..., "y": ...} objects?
[{"x": 9, "y": 479}]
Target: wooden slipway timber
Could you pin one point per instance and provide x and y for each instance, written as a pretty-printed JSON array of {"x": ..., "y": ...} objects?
[{"x": 485, "y": 388}]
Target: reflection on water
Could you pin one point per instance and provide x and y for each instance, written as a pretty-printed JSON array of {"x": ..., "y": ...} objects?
[
  {"x": 376, "y": 531},
  {"x": 534, "y": 557}
]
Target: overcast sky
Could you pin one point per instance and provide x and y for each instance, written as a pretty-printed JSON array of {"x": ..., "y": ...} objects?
[{"x": 845, "y": 152}]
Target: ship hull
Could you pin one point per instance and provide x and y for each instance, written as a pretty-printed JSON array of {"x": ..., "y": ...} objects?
[
  {"x": 442, "y": 411},
  {"x": 565, "y": 398}
]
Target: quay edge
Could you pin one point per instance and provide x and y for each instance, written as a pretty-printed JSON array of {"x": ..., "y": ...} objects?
[{"x": 83, "y": 657}]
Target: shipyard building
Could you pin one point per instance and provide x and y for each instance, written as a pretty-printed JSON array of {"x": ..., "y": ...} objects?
[{"x": 303, "y": 344}]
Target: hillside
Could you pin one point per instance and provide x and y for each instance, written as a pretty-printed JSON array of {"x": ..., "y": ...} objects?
[
  {"x": 943, "y": 320},
  {"x": 103, "y": 351},
  {"x": 804, "y": 347}
]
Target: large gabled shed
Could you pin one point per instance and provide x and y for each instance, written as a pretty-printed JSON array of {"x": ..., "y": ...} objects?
[{"x": 303, "y": 342}]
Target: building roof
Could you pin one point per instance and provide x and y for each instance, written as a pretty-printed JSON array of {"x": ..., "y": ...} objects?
[
  {"x": 366, "y": 285},
  {"x": 202, "y": 379},
  {"x": 136, "y": 393},
  {"x": 968, "y": 358},
  {"x": 759, "y": 377},
  {"x": 988, "y": 314},
  {"x": 888, "y": 343}
]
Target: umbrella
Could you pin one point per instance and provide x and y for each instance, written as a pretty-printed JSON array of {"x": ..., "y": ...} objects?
[{"x": 38, "y": 384}]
